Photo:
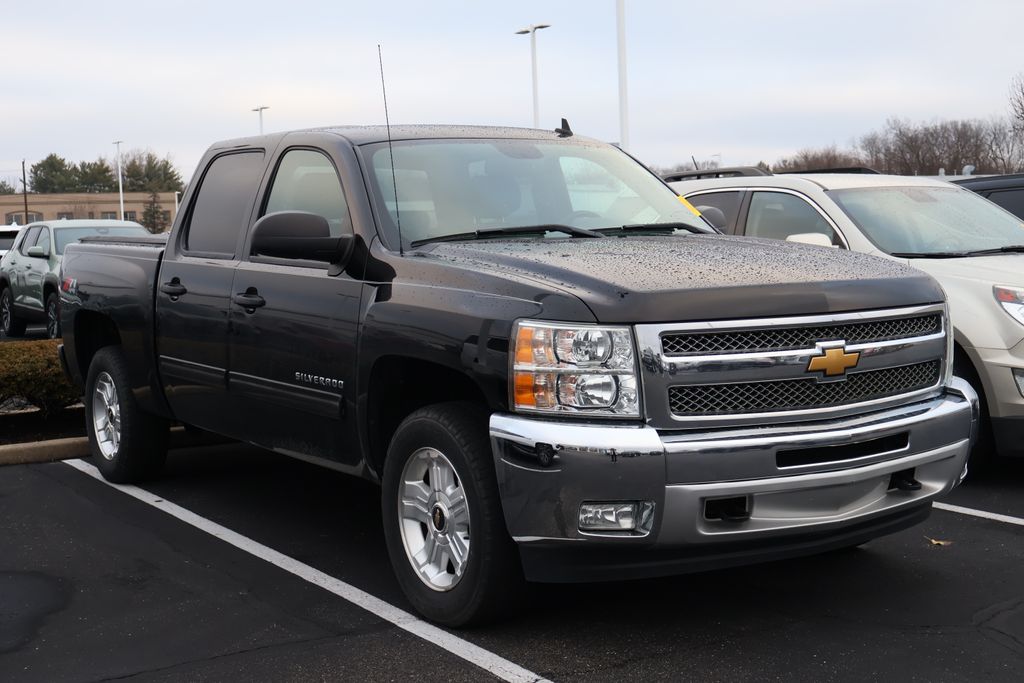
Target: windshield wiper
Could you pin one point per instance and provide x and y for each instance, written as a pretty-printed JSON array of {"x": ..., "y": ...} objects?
[
  {"x": 648, "y": 227},
  {"x": 512, "y": 230},
  {"x": 1011, "y": 249}
]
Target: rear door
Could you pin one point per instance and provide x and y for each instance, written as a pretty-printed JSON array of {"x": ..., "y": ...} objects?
[
  {"x": 293, "y": 358},
  {"x": 194, "y": 290}
]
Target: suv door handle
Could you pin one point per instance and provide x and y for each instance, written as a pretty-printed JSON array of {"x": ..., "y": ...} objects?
[
  {"x": 249, "y": 300},
  {"x": 173, "y": 288}
]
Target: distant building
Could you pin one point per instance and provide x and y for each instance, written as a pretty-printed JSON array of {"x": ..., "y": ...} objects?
[{"x": 47, "y": 207}]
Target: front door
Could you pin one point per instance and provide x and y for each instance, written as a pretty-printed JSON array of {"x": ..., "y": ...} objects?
[
  {"x": 194, "y": 292},
  {"x": 293, "y": 356},
  {"x": 19, "y": 265}
]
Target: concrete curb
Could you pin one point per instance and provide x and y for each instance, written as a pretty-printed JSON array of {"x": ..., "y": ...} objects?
[{"x": 78, "y": 447}]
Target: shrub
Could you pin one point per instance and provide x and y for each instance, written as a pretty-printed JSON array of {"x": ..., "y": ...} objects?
[{"x": 30, "y": 371}]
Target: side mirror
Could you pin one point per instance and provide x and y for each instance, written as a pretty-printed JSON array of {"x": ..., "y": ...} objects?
[
  {"x": 814, "y": 238},
  {"x": 37, "y": 252},
  {"x": 301, "y": 235},
  {"x": 713, "y": 215}
]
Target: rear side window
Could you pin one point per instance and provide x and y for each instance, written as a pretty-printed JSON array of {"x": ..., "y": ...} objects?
[
  {"x": 1011, "y": 200},
  {"x": 7, "y": 240},
  {"x": 222, "y": 206},
  {"x": 306, "y": 181},
  {"x": 719, "y": 208}
]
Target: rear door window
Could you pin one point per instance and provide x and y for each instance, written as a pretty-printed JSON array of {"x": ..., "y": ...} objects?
[
  {"x": 221, "y": 209},
  {"x": 777, "y": 215},
  {"x": 719, "y": 208}
]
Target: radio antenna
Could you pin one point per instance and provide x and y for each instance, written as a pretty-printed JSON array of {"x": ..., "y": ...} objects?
[{"x": 391, "y": 154}]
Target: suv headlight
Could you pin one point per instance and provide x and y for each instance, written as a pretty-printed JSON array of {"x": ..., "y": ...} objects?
[
  {"x": 1012, "y": 301},
  {"x": 586, "y": 369}
]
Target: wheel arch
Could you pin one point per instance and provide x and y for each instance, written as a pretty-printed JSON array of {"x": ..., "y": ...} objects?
[{"x": 400, "y": 385}]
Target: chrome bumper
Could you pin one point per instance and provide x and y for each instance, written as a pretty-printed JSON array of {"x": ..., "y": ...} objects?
[{"x": 546, "y": 469}]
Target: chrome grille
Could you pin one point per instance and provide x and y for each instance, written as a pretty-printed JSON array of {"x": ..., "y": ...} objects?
[
  {"x": 801, "y": 394},
  {"x": 790, "y": 338}
]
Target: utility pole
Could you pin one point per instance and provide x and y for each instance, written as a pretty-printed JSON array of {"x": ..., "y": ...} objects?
[
  {"x": 620, "y": 11},
  {"x": 532, "y": 31},
  {"x": 259, "y": 109},
  {"x": 120, "y": 188},
  {"x": 24, "y": 189}
]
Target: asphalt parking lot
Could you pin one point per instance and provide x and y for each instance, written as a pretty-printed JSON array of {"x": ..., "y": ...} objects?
[{"x": 96, "y": 584}]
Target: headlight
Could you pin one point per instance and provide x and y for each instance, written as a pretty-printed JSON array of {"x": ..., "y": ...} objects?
[
  {"x": 1012, "y": 301},
  {"x": 560, "y": 368}
]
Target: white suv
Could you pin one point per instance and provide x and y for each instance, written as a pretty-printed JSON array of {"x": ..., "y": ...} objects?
[{"x": 971, "y": 246}]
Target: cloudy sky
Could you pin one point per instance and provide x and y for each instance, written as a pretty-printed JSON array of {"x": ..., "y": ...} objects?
[{"x": 746, "y": 79}]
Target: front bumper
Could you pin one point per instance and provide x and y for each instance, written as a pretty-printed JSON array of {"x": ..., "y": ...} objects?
[
  {"x": 996, "y": 368},
  {"x": 839, "y": 487}
]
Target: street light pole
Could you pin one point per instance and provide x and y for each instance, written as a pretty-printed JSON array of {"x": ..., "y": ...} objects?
[
  {"x": 120, "y": 187},
  {"x": 532, "y": 30},
  {"x": 259, "y": 110},
  {"x": 620, "y": 15}
]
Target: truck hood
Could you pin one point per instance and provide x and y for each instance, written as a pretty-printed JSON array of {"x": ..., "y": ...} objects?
[
  {"x": 1002, "y": 269},
  {"x": 641, "y": 279}
]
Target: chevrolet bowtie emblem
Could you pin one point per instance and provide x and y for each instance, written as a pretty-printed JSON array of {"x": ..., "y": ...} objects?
[{"x": 834, "y": 362}]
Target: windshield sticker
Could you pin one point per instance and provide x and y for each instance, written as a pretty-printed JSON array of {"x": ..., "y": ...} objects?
[{"x": 688, "y": 205}]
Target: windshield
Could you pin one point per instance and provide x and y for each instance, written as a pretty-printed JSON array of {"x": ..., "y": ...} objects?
[
  {"x": 66, "y": 236},
  {"x": 929, "y": 220},
  {"x": 453, "y": 187}
]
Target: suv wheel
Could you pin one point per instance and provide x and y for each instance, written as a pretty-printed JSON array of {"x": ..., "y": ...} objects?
[
  {"x": 53, "y": 316},
  {"x": 10, "y": 324},
  {"x": 443, "y": 523}
]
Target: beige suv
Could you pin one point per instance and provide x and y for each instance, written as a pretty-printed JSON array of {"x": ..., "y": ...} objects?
[{"x": 972, "y": 247}]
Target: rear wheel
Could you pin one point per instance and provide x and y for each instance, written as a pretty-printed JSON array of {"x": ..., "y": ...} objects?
[
  {"x": 10, "y": 324},
  {"x": 443, "y": 523},
  {"x": 53, "y": 316},
  {"x": 127, "y": 443}
]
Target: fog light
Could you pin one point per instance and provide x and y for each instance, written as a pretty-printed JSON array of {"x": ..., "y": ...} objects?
[
  {"x": 616, "y": 516},
  {"x": 1019, "y": 376}
]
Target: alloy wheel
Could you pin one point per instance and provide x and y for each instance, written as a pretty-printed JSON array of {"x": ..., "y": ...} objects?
[
  {"x": 106, "y": 416},
  {"x": 433, "y": 515}
]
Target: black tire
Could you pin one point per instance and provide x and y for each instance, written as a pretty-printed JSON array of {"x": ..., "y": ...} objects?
[
  {"x": 984, "y": 448},
  {"x": 141, "y": 449},
  {"x": 492, "y": 579},
  {"x": 10, "y": 324},
  {"x": 53, "y": 316}
]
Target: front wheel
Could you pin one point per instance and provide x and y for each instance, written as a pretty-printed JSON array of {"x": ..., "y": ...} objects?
[
  {"x": 10, "y": 324},
  {"x": 443, "y": 523},
  {"x": 53, "y": 316},
  {"x": 128, "y": 444}
]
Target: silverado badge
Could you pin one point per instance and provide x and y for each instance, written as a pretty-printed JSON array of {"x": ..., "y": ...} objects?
[{"x": 834, "y": 362}]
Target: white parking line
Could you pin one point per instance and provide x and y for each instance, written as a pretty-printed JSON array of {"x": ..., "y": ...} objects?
[
  {"x": 485, "y": 659},
  {"x": 979, "y": 513}
]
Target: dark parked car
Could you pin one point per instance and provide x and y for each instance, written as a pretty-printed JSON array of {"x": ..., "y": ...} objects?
[
  {"x": 555, "y": 369},
  {"x": 1005, "y": 190}
]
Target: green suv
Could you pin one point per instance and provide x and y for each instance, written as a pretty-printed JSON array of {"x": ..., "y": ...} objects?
[{"x": 30, "y": 271}]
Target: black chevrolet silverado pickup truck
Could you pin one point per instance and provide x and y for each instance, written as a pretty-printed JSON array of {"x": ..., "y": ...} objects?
[{"x": 556, "y": 370}]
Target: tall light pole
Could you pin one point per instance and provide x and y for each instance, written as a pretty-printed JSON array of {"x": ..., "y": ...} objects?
[
  {"x": 259, "y": 110},
  {"x": 532, "y": 30},
  {"x": 120, "y": 188},
  {"x": 620, "y": 17}
]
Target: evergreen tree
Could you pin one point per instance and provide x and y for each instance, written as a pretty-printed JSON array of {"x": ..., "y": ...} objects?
[
  {"x": 53, "y": 174},
  {"x": 7, "y": 188},
  {"x": 153, "y": 215},
  {"x": 96, "y": 176}
]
